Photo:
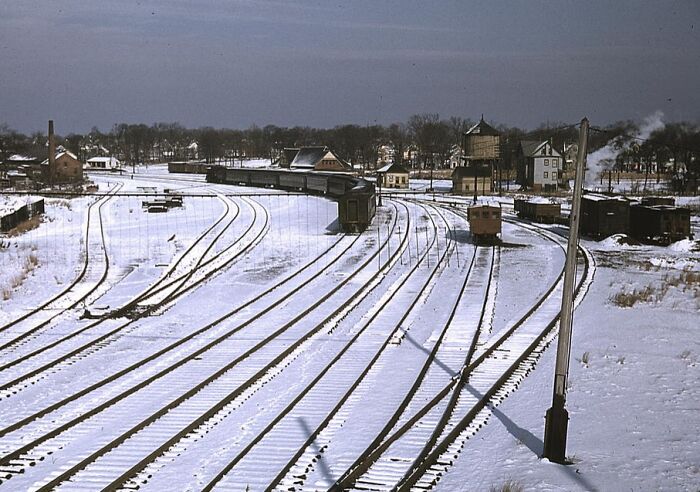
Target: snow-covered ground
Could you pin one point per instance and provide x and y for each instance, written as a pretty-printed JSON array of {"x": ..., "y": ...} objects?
[{"x": 633, "y": 396}]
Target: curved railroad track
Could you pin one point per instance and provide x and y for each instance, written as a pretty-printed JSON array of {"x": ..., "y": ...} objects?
[
  {"x": 27, "y": 376},
  {"x": 442, "y": 425},
  {"x": 24, "y": 453},
  {"x": 42, "y": 308},
  {"x": 8, "y": 347}
]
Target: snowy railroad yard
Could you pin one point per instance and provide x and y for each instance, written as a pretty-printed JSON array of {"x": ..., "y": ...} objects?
[{"x": 241, "y": 341}]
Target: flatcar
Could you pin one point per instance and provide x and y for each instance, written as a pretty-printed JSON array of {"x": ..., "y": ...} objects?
[{"x": 484, "y": 223}]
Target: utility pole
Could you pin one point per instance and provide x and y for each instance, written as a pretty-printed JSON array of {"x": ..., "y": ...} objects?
[{"x": 557, "y": 418}]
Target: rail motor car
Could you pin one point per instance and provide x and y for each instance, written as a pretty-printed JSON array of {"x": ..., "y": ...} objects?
[{"x": 484, "y": 222}]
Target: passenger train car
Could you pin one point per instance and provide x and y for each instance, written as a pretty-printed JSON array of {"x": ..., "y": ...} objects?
[{"x": 355, "y": 196}]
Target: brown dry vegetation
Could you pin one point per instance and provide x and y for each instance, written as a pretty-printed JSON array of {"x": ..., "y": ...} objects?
[
  {"x": 25, "y": 226},
  {"x": 686, "y": 280},
  {"x": 30, "y": 263}
]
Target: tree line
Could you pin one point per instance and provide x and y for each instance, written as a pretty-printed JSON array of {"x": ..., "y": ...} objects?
[{"x": 432, "y": 141}]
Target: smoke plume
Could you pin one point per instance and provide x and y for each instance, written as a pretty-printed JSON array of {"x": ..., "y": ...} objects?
[{"x": 603, "y": 159}]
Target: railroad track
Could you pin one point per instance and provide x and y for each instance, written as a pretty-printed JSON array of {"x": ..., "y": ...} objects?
[
  {"x": 292, "y": 449},
  {"x": 18, "y": 376},
  {"x": 65, "y": 294},
  {"x": 313, "y": 463},
  {"x": 21, "y": 454},
  {"x": 9, "y": 347},
  {"x": 427, "y": 440}
]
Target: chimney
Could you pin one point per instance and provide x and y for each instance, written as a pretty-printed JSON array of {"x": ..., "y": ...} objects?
[{"x": 52, "y": 153}]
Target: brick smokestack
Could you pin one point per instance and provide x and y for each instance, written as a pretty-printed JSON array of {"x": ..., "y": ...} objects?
[{"x": 52, "y": 153}]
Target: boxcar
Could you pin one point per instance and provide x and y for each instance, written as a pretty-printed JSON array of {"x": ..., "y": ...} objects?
[
  {"x": 602, "y": 216},
  {"x": 538, "y": 210},
  {"x": 659, "y": 223},
  {"x": 357, "y": 207},
  {"x": 484, "y": 222}
]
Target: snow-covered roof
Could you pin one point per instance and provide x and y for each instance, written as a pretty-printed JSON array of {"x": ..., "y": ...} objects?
[
  {"x": 596, "y": 197},
  {"x": 109, "y": 160},
  {"x": 21, "y": 157},
  {"x": 393, "y": 168}
]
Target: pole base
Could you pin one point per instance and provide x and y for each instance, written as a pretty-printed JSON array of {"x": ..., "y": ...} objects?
[{"x": 555, "y": 429}]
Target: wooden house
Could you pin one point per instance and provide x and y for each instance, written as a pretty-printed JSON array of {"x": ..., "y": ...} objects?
[
  {"x": 465, "y": 179},
  {"x": 392, "y": 176}
]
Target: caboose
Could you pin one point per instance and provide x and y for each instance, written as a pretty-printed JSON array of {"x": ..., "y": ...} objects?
[{"x": 484, "y": 223}]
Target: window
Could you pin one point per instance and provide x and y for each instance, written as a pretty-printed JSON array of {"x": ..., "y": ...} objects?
[
  {"x": 546, "y": 174},
  {"x": 554, "y": 175},
  {"x": 546, "y": 162},
  {"x": 555, "y": 162}
]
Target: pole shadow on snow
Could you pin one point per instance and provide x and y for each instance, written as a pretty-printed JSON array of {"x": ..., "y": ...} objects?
[
  {"x": 323, "y": 467},
  {"x": 437, "y": 361},
  {"x": 531, "y": 441}
]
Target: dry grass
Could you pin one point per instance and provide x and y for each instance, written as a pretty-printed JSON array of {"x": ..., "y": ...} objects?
[
  {"x": 25, "y": 226},
  {"x": 16, "y": 281},
  {"x": 508, "y": 486},
  {"x": 685, "y": 280}
]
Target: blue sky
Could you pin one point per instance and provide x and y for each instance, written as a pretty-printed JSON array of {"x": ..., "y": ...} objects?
[{"x": 320, "y": 63}]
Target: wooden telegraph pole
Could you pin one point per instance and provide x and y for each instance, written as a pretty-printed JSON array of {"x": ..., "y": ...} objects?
[{"x": 557, "y": 418}]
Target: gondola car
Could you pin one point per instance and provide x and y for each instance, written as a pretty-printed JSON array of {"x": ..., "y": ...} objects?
[
  {"x": 484, "y": 223},
  {"x": 538, "y": 209},
  {"x": 356, "y": 208}
]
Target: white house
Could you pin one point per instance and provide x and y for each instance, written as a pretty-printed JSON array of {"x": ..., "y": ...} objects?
[
  {"x": 543, "y": 165},
  {"x": 106, "y": 163}
]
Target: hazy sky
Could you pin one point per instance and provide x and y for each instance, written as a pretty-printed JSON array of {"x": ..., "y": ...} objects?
[{"x": 233, "y": 63}]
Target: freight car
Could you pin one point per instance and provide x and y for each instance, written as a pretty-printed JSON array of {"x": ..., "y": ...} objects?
[
  {"x": 355, "y": 196},
  {"x": 603, "y": 216},
  {"x": 484, "y": 223},
  {"x": 187, "y": 167},
  {"x": 539, "y": 210},
  {"x": 662, "y": 224}
]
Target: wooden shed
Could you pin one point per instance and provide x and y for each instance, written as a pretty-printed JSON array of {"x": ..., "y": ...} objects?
[
  {"x": 659, "y": 223},
  {"x": 602, "y": 215}
]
